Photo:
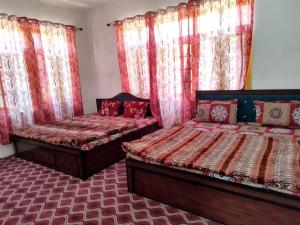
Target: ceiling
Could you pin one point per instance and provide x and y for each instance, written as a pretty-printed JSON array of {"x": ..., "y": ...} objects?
[{"x": 75, "y": 3}]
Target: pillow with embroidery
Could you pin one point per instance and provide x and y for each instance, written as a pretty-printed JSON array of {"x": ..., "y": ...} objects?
[
  {"x": 281, "y": 113},
  {"x": 109, "y": 108},
  {"x": 135, "y": 109},
  {"x": 215, "y": 111}
]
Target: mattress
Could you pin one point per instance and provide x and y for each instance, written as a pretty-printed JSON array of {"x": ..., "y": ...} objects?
[
  {"x": 262, "y": 157},
  {"x": 83, "y": 132}
]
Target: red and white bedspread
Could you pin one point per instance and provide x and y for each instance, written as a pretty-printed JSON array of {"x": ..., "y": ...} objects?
[
  {"x": 83, "y": 132},
  {"x": 255, "y": 156},
  {"x": 246, "y": 128},
  {"x": 140, "y": 123}
]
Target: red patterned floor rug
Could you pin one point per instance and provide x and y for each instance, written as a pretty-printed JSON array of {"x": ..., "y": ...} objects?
[{"x": 33, "y": 194}]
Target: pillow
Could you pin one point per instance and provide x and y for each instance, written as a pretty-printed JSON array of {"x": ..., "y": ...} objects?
[
  {"x": 215, "y": 111},
  {"x": 109, "y": 108},
  {"x": 281, "y": 113},
  {"x": 135, "y": 109}
]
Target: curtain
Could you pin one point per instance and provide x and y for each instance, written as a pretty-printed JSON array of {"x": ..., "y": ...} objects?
[
  {"x": 173, "y": 52},
  {"x": 169, "y": 80},
  {"x": 39, "y": 90},
  {"x": 177, "y": 61},
  {"x": 134, "y": 56},
  {"x": 225, "y": 28},
  {"x": 74, "y": 71},
  {"x": 16, "y": 106},
  {"x": 39, "y": 77}
]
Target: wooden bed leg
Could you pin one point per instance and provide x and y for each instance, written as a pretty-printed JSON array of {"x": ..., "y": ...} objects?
[{"x": 130, "y": 178}]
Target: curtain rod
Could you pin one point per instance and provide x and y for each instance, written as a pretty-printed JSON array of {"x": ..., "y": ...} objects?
[
  {"x": 110, "y": 24},
  {"x": 183, "y": 4},
  {"x": 42, "y": 21}
]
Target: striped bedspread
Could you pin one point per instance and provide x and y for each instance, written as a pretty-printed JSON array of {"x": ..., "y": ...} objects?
[{"x": 263, "y": 159}]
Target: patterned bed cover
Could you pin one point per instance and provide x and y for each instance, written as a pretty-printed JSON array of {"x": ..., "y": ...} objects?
[
  {"x": 261, "y": 157},
  {"x": 84, "y": 132}
]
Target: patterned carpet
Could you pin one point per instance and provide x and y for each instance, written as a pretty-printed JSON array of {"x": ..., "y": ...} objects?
[{"x": 33, "y": 194}]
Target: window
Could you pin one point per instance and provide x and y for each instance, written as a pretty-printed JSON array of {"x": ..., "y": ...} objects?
[
  {"x": 199, "y": 45},
  {"x": 39, "y": 80}
]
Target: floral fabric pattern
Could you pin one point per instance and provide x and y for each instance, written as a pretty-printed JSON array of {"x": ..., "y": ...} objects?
[
  {"x": 109, "y": 108},
  {"x": 84, "y": 132},
  {"x": 76, "y": 131},
  {"x": 140, "y": 123},
  {"x": 295, "y": 115},
  {"x": 15, "y": 107},
  {"x": 217, "y": 111},
  {"x": 225, "y": 29},
  {"x": 285, "y": 114},
  {"x": 135, "y": 109},
  {"x": 39, "y": 79},
  {"x": 134, "y": 54},
  {"x": 258, "y": 112},
  {"x": 169, "y": 54},
  {"x": 246, "y": 128}
]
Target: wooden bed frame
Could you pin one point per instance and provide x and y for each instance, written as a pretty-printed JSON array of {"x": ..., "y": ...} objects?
[
  {"x": 212, "y": 198},
  {"x": 76, "y": 162}
]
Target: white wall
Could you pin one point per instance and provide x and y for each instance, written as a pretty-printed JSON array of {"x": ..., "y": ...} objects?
[
  {"x": 42, "y": 11},
  {"x": 276, "y": 56}
]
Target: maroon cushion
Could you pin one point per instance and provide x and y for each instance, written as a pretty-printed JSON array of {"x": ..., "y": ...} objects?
[
  {"x": 135, "y": 109},
  {"x": 109, "y": 108}
]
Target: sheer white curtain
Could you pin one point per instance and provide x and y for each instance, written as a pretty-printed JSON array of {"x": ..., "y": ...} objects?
[
  {"x": 199, "y": 45},
  {"x": 39, "y": 79},
  {"x": 55, "y": 46},
  {"x": 169, "y": 79},
  {"x": 225, "y": 29},
  {"x": 136, "y": 39},
  {"x": 15, "y": 91}
]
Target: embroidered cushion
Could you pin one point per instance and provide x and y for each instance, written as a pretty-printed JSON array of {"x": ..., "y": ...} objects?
[
  {"x": 109, "y": 108},
  {"x": 217, "y": 111},
  {"x": 135, "y": 109},
  {"x": 281, "y": 113},
  {"x": 295, "y": 115}
]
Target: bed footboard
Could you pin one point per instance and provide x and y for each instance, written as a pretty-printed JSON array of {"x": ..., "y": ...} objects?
[
  {"x": 73, "y": 161},
  {"x": 220, "y": 201},
  {"x": 68, "y": 160}
]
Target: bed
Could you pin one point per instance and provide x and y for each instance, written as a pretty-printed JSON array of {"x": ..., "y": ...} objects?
[
  {"x": 46, "y": 144},
  {"x": 208, "y": 191}
]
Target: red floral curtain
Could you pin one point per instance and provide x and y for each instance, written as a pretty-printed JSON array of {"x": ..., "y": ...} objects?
[
  {"x": 133, "y": 54},
  {"x": 225, "y": 28},
  {"x": 167, "y": 55},
  {"x": 39, "y": 88},
  {"x": 39, "y": 78},
  {"x": 74, "y": 71}
]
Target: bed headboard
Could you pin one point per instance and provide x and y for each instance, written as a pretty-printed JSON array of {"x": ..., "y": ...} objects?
[
  {"x": 122, "y": 97},
  {"x": 246, "y": 110}
]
